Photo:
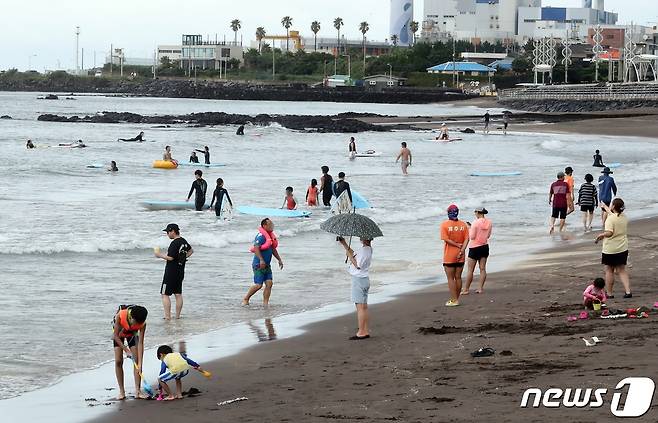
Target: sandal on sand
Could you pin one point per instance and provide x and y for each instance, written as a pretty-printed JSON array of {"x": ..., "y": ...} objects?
[
  {"x": 483, "y": 352},
  {"x": 572, "y": 318},
  {"x": 452, "y": 303},
  {"x": 588, "y": 343},
  {"x": 358, "y": 338},
  {"x": 583, "y": 315}
]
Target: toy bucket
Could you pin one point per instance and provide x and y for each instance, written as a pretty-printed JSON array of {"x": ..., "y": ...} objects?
[{"x": 596, "y": 305}]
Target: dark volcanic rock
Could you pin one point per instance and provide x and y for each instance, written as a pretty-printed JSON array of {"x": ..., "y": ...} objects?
[
  {"x": 294, "y": 122},
  {"x": 5, "y": 117},
  {"x": 51, "y": 97}
]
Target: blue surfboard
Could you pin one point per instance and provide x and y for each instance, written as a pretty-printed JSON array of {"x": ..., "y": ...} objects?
[
  {"x": 269, "y": 212},
  {"x": 515, "y": 173},
  {"x": 358, "y": 202},
  {"x": 169, "y": 205},
  {"x": 613, "y": 165},
  {"x": 201, "y": 164}
]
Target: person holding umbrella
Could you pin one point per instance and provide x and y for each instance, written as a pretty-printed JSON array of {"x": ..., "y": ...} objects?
[
  {"x": 358, "y": 268},
  {"x": 356, "y": 225}
]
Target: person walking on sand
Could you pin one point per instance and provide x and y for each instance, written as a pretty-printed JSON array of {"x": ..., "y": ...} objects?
[
  {"x": 487, "y": 119},
  {"x": 478, "y": 249},
  {"x": 172, "y": 282},
  {"x": 265, "y": 247},
  {"x": 614, "y": 255},
  {"x": 359, "y": 269},
  {"x": 352, "y": 148},
  {"x": 199, "y": 188},
  {"x": 326, "y": 186},
  {"x": 559, "y": 199},
  {"x": 405, "y": 155},
  {"x": 587, "y": 200},
  {"x": 129, "y": 327},
  {"x": 454, "y": 234},
  {"x": 505, "y": 122},
  {"x": 607, "y": 190}
]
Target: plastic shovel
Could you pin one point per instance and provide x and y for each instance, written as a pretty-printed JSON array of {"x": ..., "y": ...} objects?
[{"x": 145, "y": 386}]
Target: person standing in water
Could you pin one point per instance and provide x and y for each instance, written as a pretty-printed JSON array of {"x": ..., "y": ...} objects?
[
  {"x": 312, "y": 194},
  {"x": 588, "y": 200},
  {"x": 478, "y": 251},
  {"x": 265, "y": 247},
  {"x": 199, "y": 187},
  {"x": 113, "y": 167},
  {"x": 568, "y": 178},
  {"x": 218, "y": 195},
  {"x": 206, "y": 154},
  {"x": 289, "y": 201},
  {"x": 598, "y": 160},
  {"x": 172, "y": 282},
  {"x": 341, "y": 186},
  {"x": 138, "y": 138},
  {"x": 240, "y": 130},
  {"x": 559, "y": 199},
  {"x": 359, "y": 270},
  {"x": 444, "y": 133},
  {"x": 607, "y": 190},
  {"x": 326, "y": 186},
  {"x": 454, "y": 234},
  {"x": 29, "y": 145},
  {"x": 352, "y": 148},
  {"x": 405, "y": 155},
  {"x": 487, "y": 119},
  {"x": 194, "y": 158}
]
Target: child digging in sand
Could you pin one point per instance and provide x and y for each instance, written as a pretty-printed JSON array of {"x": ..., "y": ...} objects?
[
  {"x": 175, "y": 366},
  {"x": 594, "y": 293},
  {"x": 129, "y": 327}
]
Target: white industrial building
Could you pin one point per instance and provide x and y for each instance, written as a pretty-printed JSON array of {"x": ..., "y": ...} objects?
[
  {"x": 506, "y": 20},
  {"x": 402, "y": 14},
  {"x": 194, "y": 52}
]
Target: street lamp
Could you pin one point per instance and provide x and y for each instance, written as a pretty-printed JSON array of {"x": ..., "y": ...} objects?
[{"x": 29, "y": 61}]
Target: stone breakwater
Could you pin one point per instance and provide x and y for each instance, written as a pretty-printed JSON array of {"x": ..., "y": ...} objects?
[
  {"x": 576, "y": 106},
  {"x": 341, "y": 123},
  {"x": 234, "y": 90}
]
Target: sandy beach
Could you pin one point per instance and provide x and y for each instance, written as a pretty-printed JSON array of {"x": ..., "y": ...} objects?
[{"x": 417, "y": 366}]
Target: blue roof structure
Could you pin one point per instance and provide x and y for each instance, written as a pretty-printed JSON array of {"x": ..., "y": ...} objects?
[
  {"x": 461, "y": 67},
  {"x": 504, "y": 64}
]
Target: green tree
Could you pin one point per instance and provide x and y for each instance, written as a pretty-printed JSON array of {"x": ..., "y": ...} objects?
[
  {"x": 338, "y": 22},
  {"x": 287, "y": 23},
  {"x": 260, "y": 34},
  {"x": 520, "y": 65},
  {"x": 235, "y": 26},
  {"x": 364, "y": 27},
  {"x": 414, "y": 29},
  {"x": 315, "y": 27}
]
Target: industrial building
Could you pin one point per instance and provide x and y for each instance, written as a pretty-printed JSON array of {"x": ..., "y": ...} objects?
[
  {"x": 402, "y": 14},
  {"x": 510, "y": 20}
]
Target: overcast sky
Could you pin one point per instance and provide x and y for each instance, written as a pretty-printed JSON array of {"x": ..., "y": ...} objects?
[{"x": 42, "y": 31}]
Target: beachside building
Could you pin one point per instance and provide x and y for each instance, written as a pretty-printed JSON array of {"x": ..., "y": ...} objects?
[
  {"x": 338, "y": 81},
  {"x": 194, "y": 52},
  {"x": 462, "y": 68},
  {"x": 381, "y": 81}
]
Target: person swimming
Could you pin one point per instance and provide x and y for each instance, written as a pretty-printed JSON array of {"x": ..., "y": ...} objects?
[
  {"x": 78, "y": 144},
  {"x": 240, "y": 130},
  {"x": 598, "y": 160},
  {"x": 29, "y": 145},
  {"x": 113, "y": 167},
  {"x": 138, "y": 138},
  {"x": 194, "y": 158}
]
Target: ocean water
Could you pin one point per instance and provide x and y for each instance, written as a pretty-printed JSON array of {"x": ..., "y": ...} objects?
[{"x": 76, "y": 243}]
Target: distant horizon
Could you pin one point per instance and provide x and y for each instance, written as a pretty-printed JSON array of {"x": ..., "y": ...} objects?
[{"x": 46, "y": 40}]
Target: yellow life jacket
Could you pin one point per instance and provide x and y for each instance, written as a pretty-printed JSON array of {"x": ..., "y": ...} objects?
[{"x": 176, "y": 363}]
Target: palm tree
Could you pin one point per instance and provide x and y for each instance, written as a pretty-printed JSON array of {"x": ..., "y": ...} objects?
[
  {"x": 338, "y": 22},
  {"x": 287, "y": 23},
  {"x": 315, "y": 27},
  {"x": 414, "y": 28},
  {"x": 394, "y": 39},
  {"x": 260, "y": 34},
  {"x": 364, "y": 28},
  {"x": 235, "y": 26}
]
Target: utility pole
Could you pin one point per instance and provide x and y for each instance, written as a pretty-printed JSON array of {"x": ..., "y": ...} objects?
[
  {"x": 111, "y": 58},
  {"x": 77, "y": 49},
  {"x": 82, "y": 59},
  {"x": 273, "y": 62}
]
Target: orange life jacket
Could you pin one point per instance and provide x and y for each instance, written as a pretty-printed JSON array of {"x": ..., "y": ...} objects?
[
  {"x": 127, "y": 330},
  {"x": 270, "y": 240}
]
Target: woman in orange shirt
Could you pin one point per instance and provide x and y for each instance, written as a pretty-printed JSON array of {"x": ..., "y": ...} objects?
[{"x": 454, "y": 234}]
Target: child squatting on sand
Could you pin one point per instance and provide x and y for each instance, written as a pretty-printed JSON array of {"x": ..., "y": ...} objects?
[
  {"x": 175, "y": 366},
  {"x": 594, "y": 292}
]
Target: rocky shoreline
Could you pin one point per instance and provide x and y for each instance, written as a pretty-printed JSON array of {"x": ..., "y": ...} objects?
[
  {"x": 341, "y": 123},
  {"x": 229, "y": 90}
]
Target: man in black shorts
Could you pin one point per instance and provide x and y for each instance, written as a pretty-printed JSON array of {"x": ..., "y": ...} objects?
[
  {"x": 172, "y": 282},
  {"x": 559, "y": 197}
]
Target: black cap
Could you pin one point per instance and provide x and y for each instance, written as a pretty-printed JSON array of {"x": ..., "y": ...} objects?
[
  {"x": 171, "y": 227},
  {"x": 606, "y": 170}
]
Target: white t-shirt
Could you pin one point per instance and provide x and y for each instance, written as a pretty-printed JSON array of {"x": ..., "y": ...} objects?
[{"x": 363, "y": 258}]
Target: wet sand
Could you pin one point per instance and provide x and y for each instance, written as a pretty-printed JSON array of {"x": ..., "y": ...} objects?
[{"x": 417, "y": 366}]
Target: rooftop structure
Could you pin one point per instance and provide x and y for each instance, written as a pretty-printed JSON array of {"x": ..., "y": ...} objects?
[{"x": 462, "y": 68}]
